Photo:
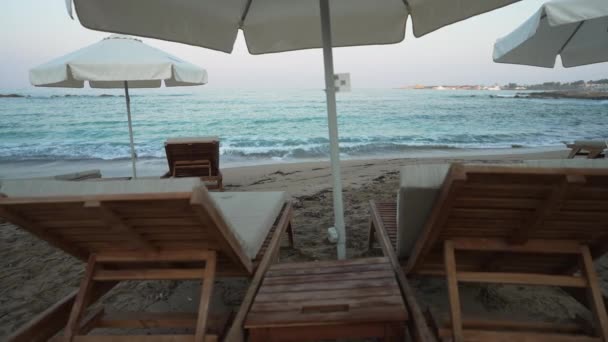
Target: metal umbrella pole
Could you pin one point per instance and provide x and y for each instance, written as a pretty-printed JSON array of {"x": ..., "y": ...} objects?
[
  {"x": 133, "y": 156},
  {"x": 332, "y": 120}
]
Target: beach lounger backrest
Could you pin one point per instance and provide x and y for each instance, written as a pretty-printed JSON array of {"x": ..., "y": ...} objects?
[
  {"x": 191, "y": 150},
  {"x": 517, "y": 206},
  {"x": 127, "y": 222}
]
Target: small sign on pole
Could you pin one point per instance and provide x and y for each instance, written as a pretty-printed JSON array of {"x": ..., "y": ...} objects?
[{"x": 342, "y": 82}]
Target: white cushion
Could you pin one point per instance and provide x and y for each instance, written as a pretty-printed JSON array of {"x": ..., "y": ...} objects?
[
  {"x": 250, "y": 215},
  {"x": 420, "y": 186},
  {"x": 591, "y": 143},
  {"x": 192, "y": 140},
  {"x": 418, "y": 191},
  {"x": 47, "y": 187}
]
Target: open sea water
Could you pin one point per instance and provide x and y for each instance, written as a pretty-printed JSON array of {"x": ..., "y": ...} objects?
[{"x": 285, "y": 125}]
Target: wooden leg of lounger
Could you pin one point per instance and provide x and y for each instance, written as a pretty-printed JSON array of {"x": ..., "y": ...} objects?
[
  {"x": 371, "y": 233},
  {"x": 205, "y": 301},
  {"x": 81, "y": 301},
  {"x": 594, "y": 153},
  {"x": 454, "y": 296},
  {"x": 595, "y": 294},
  {"x": 573, "y": 152},
  {"x": 290, "y": 235}
]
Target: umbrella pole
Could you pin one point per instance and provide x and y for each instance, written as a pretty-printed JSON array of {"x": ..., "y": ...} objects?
[
  {"x": 332, "y": 119},
  {"x": 130, "y": 128}
]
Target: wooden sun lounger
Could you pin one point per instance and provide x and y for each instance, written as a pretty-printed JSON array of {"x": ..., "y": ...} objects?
[
  {"x": 509, "y": 225},
  {"x": 195, "y": 157},
  {"x": 151, "y": 236},
  {"x": 590, "y": 149}
]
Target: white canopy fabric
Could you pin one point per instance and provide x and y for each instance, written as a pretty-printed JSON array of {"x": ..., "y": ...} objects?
[
  {"x": 274, "y": 25},
  {"x": 573, "y": 29},
  {"x": 110, "y": 62}
]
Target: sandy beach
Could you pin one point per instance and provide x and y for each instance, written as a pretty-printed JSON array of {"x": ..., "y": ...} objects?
[{"x": 34, "y": 275}]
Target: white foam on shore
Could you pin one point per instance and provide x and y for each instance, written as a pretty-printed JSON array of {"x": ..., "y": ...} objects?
[{"x": 157, "y": 167}]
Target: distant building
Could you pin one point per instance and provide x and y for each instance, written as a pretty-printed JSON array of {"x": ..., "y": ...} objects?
[{"x": 494, "y": 87}]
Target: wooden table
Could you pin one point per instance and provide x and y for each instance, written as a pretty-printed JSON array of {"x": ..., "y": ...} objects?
[{"x": 356, "y": 298}]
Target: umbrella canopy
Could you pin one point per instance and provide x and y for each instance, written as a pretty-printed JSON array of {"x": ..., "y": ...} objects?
[
  {"x": 118, "y": 62},
  {"x": 274, "y": 25},
  {"x": 282, "y": 25},
  {"x": 573, "y": 29},
  {"x": 113, "y": 60}
]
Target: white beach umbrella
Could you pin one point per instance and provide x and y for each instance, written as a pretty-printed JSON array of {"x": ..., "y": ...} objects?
[
  {"x": 573, "y": 29},
  {"x": 118, "y": 62},
  {"x": 282, "y": 25}
]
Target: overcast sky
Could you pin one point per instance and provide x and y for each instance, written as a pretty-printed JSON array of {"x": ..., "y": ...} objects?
[{"x": 35, "y": 31}]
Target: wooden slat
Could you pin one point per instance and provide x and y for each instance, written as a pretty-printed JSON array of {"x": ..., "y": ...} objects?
[
  {"x": 147, "y": 256},
  {"x": 553, "y": 218},
  {"x": 169, "y": 219},
  {"x": 116, "y": 224},
  {"x": 327, "y": 277},
  {"x": 372, "y": 300},
  {"x": 236, "y": 332},
  {"x": 149, "y": 320},
  {"x": 523, "y": 326},
  {"x": 520, "y": 234},
  {"x": 41, "y": 233},
  {"x": 329, "y": 332},
  {"x": 53, "y": 319},
  {"x": 327, "y": 294},
  {"x": 364, "y": 314},
  {"x": 531, "y": 246},
  {"x": 149, "y": 274},
  {"x": 91, "y": 320},
  {"x": 205, "y": 301},
  {"x": 350, "y": 284},
  {"x": 595, "y": 294},
  {"x": 506, "y": 336},
  {"x": 521, "y": 279},
  {"x": 141, "y": 338},
  {"x": 417, "y": 324},
  {"x": 453, "y": 293},
  {"x": 163, "y": 198},
  {"x": 328, "y": 270},
  {"x": 311, "y": 265},
  {"x": 82, "y": 300}
]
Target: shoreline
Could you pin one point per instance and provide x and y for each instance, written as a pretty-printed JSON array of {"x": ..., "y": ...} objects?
[{"x": 156, "y": 167}]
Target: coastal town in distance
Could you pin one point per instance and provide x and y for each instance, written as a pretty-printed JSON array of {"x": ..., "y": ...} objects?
[{"x": 590, "y": 90}]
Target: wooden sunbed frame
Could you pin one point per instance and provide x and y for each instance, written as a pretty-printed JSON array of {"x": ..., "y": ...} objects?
[
  {"x": 591, "y": 151},
  {"x": 562, "y": 224},
  {"x": 195, "y": 159},
  {"x": 140, "y": 237}
]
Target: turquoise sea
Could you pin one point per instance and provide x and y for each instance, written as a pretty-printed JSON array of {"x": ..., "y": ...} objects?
[{"x": 285, "y": 125}]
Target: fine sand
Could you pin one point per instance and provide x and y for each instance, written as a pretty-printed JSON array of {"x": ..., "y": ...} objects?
[{"x": 34, "y": 275}]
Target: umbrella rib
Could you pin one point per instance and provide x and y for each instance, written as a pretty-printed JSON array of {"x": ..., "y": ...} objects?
[
  {"x": 570, "y": 38},
  {"x": 245, "y": 12}
]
